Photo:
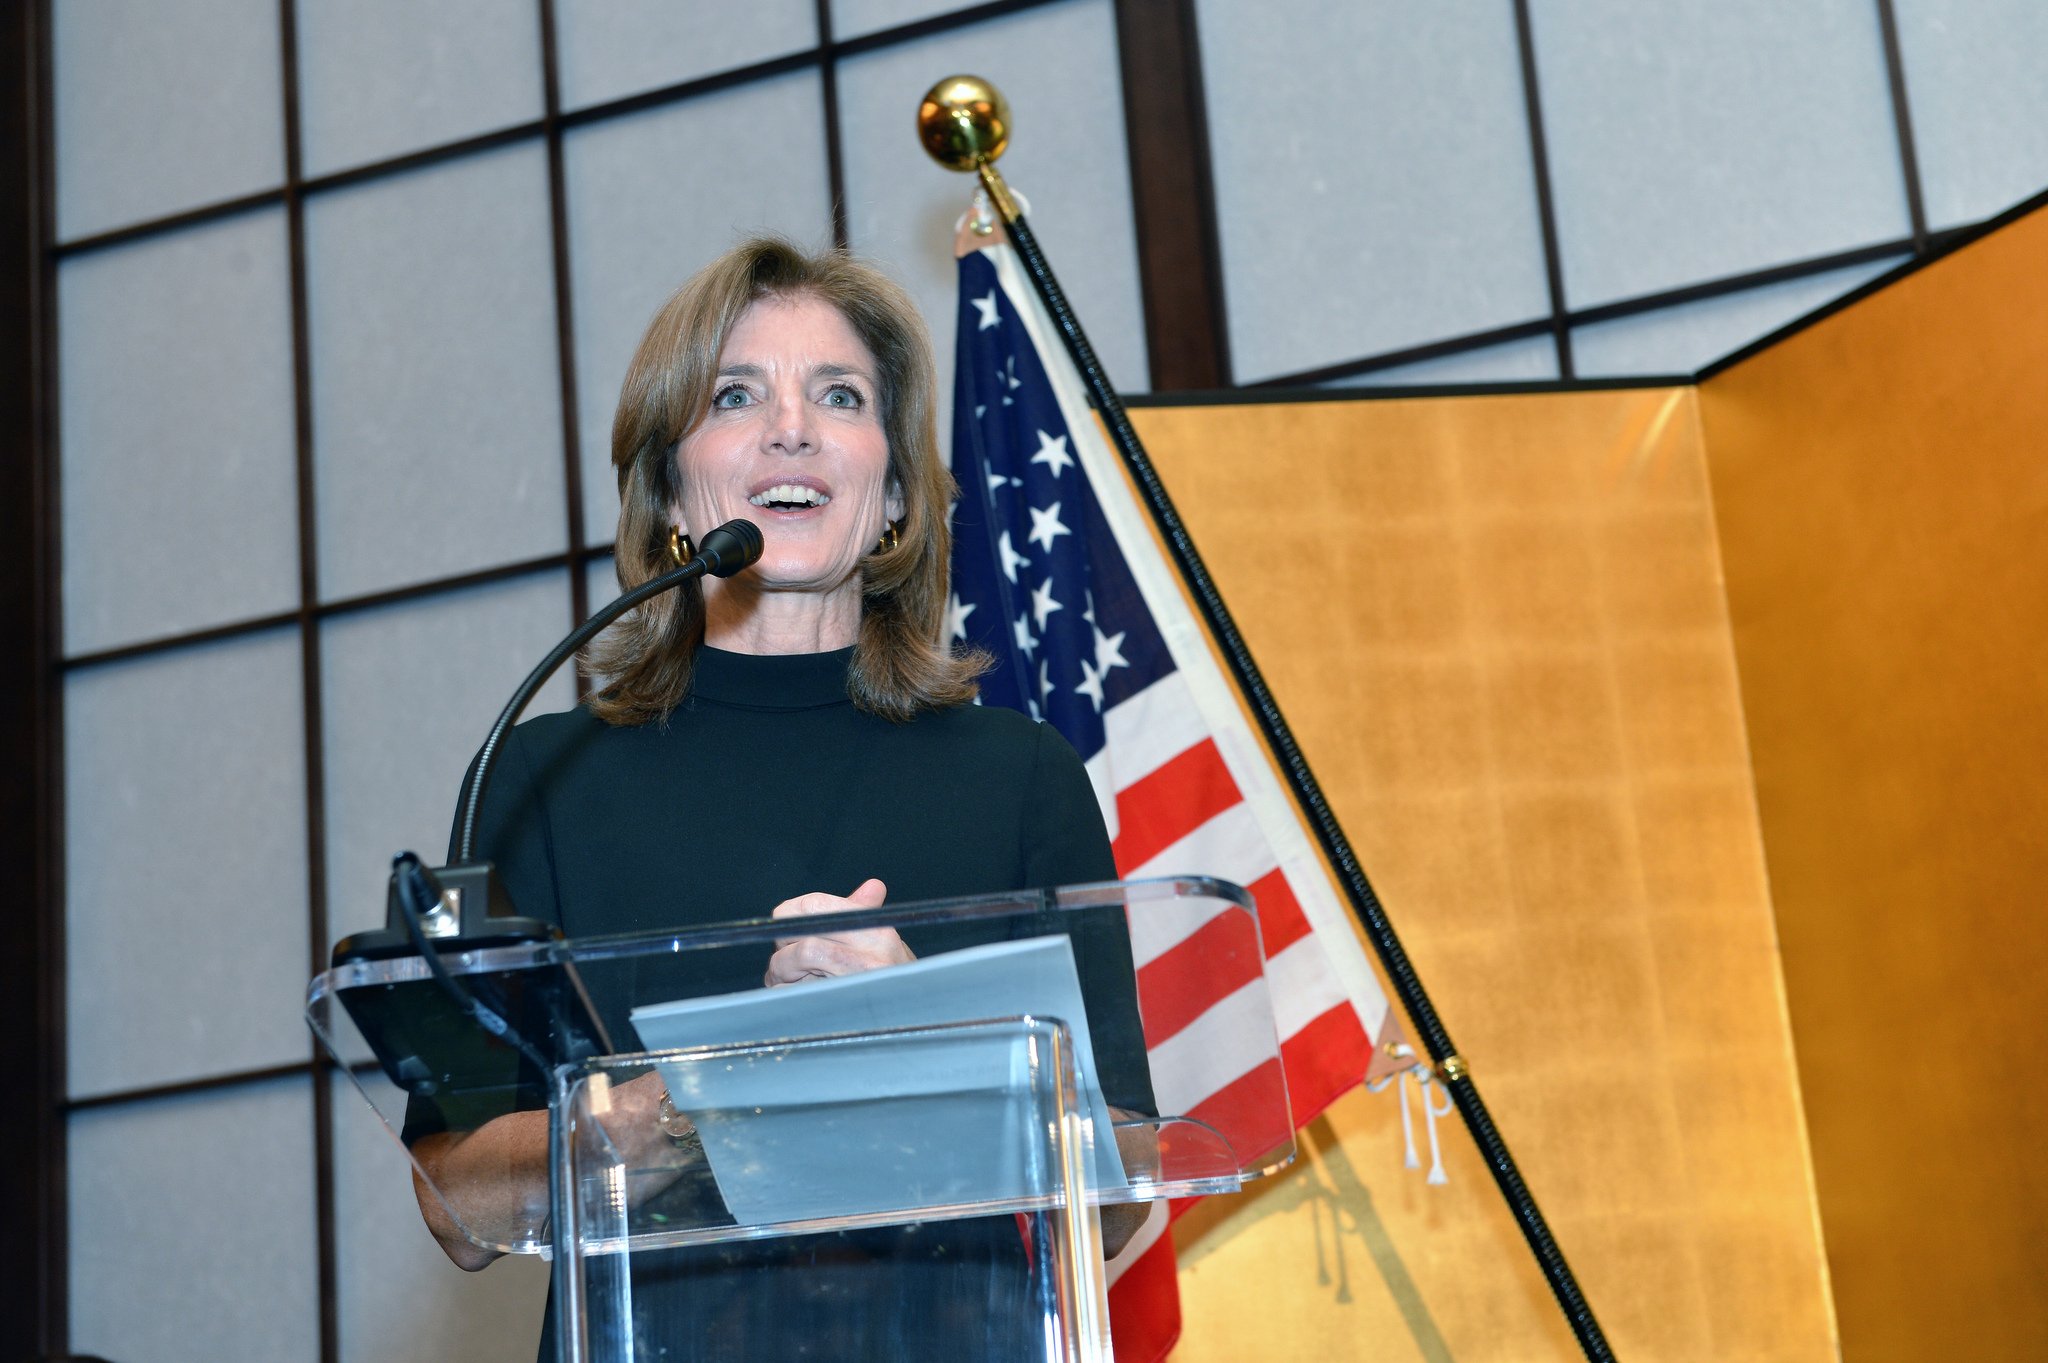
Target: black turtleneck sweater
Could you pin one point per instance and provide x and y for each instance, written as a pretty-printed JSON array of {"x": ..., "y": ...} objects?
[{"x": 768, "y": 783}]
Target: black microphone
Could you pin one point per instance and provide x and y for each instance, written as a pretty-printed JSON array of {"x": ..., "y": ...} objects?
[{"x": 730, "y": 547}]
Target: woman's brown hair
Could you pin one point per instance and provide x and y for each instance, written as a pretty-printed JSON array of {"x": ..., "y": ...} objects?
[{"x": 901, "y": 662}]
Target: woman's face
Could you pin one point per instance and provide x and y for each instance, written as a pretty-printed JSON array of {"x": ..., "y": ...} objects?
[{"x": 793, "y": 442}]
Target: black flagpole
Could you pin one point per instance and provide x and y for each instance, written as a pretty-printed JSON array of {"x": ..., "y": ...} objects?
[{"x": 1449, "y": 1065}]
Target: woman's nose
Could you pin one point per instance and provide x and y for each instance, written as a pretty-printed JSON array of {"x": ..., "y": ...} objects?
[{"x": 789, "y": 428}]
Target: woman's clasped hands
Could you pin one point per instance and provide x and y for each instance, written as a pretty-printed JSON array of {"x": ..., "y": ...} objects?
[{"x": 824, "y": 955}]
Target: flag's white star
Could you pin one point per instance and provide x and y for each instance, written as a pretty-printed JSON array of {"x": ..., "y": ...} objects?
[
  {"x": 1027, "y": 642},
  {"x": 1034, "y": 707},
  {"x": 979, "y": 408},
  {"x": 1108, "y": 650},
  {"x": 1012, "y": 560},
  {"x": 1052, "y": 450},
  {"x": 987, "y": 308},
  {"x": 1044, "y": 682},
  {"x": 1042, "y": 604},
  {"x": 957, "y": 613},
  {"x": 995, "y": 481},
  {"x": 1091, "y": 684},
  {"x": 1045, "y": 526},
  {"x": 1088, "y": 607},
  {"x": 1008, "y": 373}
]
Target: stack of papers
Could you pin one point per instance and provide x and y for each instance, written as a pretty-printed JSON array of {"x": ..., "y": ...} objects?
[{"x": 869, "y": 1125}]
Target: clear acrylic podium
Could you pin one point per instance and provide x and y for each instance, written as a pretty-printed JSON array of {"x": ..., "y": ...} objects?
[{"x": 936, "y": 1188}]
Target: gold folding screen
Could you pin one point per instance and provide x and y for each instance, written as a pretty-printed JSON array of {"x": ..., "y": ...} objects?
[
  {"x": 1499, "y": 632},
  {"x": 1882, "y": 484},
  {"x": 1547, "y": 653}
]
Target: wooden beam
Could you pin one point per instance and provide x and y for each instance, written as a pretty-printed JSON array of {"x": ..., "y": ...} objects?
[
  {"x": 33, "y": 1252},
  {"x": 1180, "y": 267}
]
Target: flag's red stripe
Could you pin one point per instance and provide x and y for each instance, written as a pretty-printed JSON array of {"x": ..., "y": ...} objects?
[
  {"x": 1325, "y": 1060},
  {"x": 1281, "y": 921},
  {"x": 1144, "y": 1306},
  {"x": 1250, "y": 1111},
  {"x": 1159, "y": 809},
  {"x": 1196, "y": 974}
]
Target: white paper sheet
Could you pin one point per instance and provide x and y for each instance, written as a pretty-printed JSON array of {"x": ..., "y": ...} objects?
[{"x": 856, "y": 1128}]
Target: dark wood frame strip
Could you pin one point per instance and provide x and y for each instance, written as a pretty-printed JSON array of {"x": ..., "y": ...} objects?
[
  {"x": 565, "y": 318},
  {"x": 1173, "y": 198},
  {"x": 207, "y": 1083},
  {"x": 328, "y": 610},
  {"x": 310, "y": 679},
  {"x": 34, "y": 1253},
  {"x": 1274, "y": 397},
  {"x": 1546, "y": 210},
  {"x": 1605, "y": 312},
  {"x": 1902, "y": 121},
  {"x": 835, "y": 149},
  {"x": 1940, "y": 245}
]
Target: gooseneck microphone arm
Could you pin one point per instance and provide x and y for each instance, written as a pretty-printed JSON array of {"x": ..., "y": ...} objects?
[{"x": 721, "y": 553}]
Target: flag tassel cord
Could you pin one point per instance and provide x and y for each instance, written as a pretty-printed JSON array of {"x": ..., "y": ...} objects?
[{"x": 1449, "y": 1065}]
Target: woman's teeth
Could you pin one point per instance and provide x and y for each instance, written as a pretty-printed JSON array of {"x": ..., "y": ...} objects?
[{"x": 789, "y": 494}]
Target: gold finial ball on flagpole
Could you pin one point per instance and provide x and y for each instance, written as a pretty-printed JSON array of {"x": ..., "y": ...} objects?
[{"x": 964, "y": 122}]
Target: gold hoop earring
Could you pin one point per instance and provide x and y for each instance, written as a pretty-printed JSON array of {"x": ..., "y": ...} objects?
[
  {"x": 680, "y": 547},
  {"x": 891, "y": 537}
]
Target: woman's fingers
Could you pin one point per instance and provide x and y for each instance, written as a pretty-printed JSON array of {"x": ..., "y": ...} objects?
[
  {"x": 815, "y": 958},
  {"x": 825, "y": 955},
  {"x": 869, "y": 895},
  {"x": 799, "y": 959}
]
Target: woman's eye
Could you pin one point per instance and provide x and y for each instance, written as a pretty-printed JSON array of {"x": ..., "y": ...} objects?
[
  {"x": 732, "y": 395},
  {"x": 841, "y": 396}
]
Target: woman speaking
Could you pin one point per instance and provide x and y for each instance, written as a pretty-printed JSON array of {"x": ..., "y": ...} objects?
[{"x": 797, "y": 739}]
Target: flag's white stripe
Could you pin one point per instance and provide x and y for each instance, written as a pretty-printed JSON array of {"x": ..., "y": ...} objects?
[
  {"x": 1142, "y": 734},
  {"x": 1229, "y": 847},
  {"x": 1103, "y": 779},
  {"x": 1303, "y": 986},
  {"x": 1154, "y": 1226},
  {"x": 1146, "y": 731},
  {"x": 1224, "y": 1044},
  {"x": 1213, "y": 694}
]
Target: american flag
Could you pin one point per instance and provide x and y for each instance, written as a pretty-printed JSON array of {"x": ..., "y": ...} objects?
[{"x": 1056, "y": 575}]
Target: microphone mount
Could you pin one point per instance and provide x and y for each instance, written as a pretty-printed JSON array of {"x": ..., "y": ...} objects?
[
  {"x": 463, "y": 903},
  {"x": 721, "y": 553}
]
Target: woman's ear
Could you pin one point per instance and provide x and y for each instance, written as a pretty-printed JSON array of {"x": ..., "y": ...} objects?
[{"x": 893, "y": 503}]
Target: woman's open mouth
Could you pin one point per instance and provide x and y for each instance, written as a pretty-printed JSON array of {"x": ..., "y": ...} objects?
[{"x": 790, "y": 497}]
